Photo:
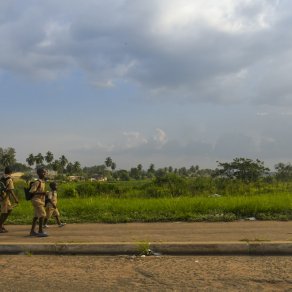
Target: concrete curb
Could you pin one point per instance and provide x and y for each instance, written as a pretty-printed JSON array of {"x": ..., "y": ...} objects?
[{"x": 130, "y": 248}]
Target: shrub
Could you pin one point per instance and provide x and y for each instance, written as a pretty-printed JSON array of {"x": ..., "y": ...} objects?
[
  {"x": 86, "y": 189},
  {"x": 68, "y": 191}
]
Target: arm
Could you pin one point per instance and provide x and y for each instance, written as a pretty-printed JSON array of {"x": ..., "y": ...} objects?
[
  {"x": 10, "y": 189},
  {"x": 50, "y": 201},
  {"x": 11, "y": 192}
]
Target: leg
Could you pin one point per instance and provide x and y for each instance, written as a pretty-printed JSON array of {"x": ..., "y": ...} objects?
[
  {"x": 41, "y": 233},
  {"x": 58, "y": 220},
  {"x": 40, "y": 213},
  {"x": 5, "y": 211},
  {"x": 5, "y": 218},
  {"x": 45, "y": 221},
  {"x": 41, "y": 221},
  {"x": 2, "y": 219},
  {"x": 34, "y": 222}
]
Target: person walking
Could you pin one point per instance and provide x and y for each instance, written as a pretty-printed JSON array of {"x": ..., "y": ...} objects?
[
  {"x": 51, "y": 206},
  {"x": 38, "y": 193},
  {"x": 7, "y": 193}
]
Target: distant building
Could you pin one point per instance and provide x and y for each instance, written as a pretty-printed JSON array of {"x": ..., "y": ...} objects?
[
  {"x": 75, "y": 177},
  {"x": 98, "y": 178}
]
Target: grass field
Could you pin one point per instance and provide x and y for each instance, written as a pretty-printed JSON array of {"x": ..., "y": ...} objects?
[{"x": 199, "y": 208}]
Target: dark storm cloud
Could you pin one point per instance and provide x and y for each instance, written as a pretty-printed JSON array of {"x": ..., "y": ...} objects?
[{"x": 244, "y": 56}]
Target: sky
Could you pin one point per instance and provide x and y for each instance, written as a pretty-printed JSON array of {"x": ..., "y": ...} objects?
[{"x": 169, "y": 82}]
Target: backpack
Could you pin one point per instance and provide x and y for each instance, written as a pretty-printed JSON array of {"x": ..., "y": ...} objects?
[
  {"x": 27, "y": 193},
  {"x": 47, "y": 200},
  {"x": 3, "y": 187}
]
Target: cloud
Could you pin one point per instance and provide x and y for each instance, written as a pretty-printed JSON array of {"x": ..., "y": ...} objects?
[
  {"x": 134, "y": 139},
  {"x": 160, "y": 137},
  {"x": 199, "y": 51}
]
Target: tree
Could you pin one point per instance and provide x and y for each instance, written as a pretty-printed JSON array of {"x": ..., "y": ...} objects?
[
  {"x": 7, "y": 156},
  {"x": 194, "y": 170},
  {"x": 139, "y": 167},
  {"x": 63, "y": 162},
  {"x": 39, "y": 159},
  {"x": 19, "y": 167},
  {"x": 95, "y": 170},
  {"x": 77, "y": 167},
  {"x": 122, "y": 174},
  {"x": 113, "y": 166},
  {"x": 175, "y": 184},
  {"x": 243, "y": 169},
  {"x": 183, "y": 171},
  {"x": 108, "y": 162},
  {"x": 30, "y": 160},
  {"x": 49, "y": 157},
  {"x": 56, "y": 166},
  {"x": 69, "y": 168},
  {"x": 151, "y": 168},
  {"x": 134, "y": 173},
  {"x": 284, "y": 171}
]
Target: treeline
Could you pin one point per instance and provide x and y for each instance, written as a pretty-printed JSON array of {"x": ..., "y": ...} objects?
[{"x": 241, "y": 169}]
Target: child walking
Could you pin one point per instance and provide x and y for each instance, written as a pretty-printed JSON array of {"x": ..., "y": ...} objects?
[
  {"x": 38, "y": 201},
  {"x": 51, "y": 206}
]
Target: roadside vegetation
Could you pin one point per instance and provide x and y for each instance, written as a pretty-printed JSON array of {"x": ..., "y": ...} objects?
[
  {"x": 240, "y": 189},
  {"x": 204, "y": 199}
]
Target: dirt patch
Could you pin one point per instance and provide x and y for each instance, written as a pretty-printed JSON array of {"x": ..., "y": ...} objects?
[{"x": 124, "y": 273}]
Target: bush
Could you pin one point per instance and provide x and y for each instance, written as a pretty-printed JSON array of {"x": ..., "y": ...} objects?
[
  {"x": 173, "y": 184},
  {"x": 68, "y": 191},
  {"x": 86, "y": 189}
]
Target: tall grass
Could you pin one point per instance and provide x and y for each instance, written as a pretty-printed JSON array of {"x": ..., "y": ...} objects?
[{"x": 113, "y": 210}]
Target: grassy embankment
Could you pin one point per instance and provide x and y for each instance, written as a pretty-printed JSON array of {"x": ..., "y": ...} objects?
[{"x": 184, "y": 200}]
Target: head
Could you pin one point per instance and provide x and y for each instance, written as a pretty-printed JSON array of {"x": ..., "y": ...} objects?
[
  {"x": 8, "y": 170},
  {"x": 53, "y": 186},
  {"x": 41, "y": 172}
]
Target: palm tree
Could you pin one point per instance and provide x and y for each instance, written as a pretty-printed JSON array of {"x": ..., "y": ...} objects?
[
  {"x": 77, "y": 167},
  {"x": 49, "y": 157},
  {"x": 108, "y": 162},
  {"x": 151, "y": 168},
  {"x": 69, "y": 168},
  {"x": 56, "y": 165},
  {"x": 39, "y": 159},
  {"x": 63, "y": 161},
  {"x": 30, "y": 160}
]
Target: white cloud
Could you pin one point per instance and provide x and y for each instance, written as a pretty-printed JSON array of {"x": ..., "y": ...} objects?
[
  {"x": 160, "y": 137},
  {"x": 224, "y": 15},
  {"x": 134, "y": 139}
]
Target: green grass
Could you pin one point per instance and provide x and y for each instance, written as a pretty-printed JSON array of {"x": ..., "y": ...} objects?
[{"x": 199, "y": 208}]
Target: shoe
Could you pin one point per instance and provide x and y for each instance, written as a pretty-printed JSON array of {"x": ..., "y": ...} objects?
[
  {"x": 46, "y": 226},
  {"x": 62, "y": 224},
  {"x": 33, "y": 233},
  {"x": 42, "y": 234}
]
